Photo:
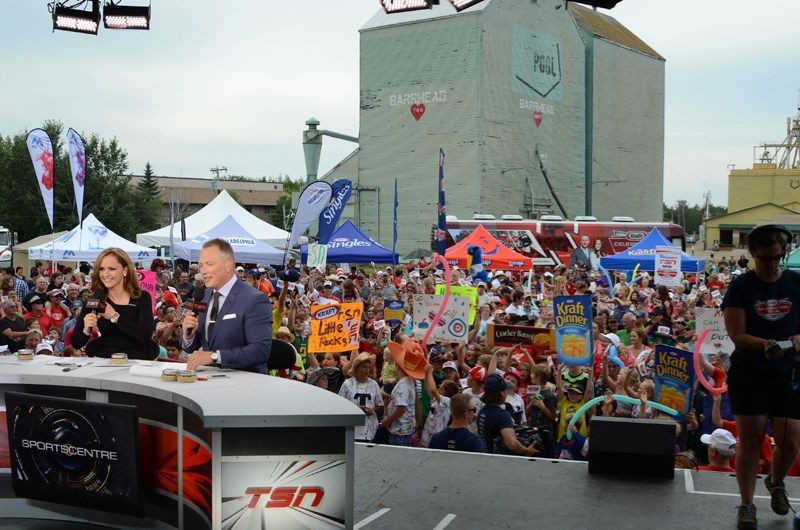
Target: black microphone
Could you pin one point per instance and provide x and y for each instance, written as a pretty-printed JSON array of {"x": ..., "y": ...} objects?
[
  {"x": 196, "y": 304},
  {"x": 96, "y": 303}
]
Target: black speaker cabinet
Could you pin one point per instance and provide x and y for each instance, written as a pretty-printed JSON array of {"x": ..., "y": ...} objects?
[{"x": 627, "y": 446}]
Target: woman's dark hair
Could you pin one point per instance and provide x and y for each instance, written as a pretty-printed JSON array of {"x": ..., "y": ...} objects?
[{"x": 768, "y": 235}]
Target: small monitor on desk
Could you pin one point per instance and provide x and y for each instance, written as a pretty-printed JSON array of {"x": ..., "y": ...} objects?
[{"x": 75, "y": 452}]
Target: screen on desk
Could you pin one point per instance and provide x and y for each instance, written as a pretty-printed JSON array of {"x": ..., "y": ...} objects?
[{"x": 75, "y": 452}]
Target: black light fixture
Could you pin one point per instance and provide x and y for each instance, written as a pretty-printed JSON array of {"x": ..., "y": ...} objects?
[
  {"x": 463, "y": 4},
  {"x": 397, "y": 6},
  {"x": 70, "y": 18},
  {"x": 605, "y": 4},
  {"x": 116, "y": 16}
]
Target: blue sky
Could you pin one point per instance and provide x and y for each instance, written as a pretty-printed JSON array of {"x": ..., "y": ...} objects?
[{"x": 233, "y": 87}]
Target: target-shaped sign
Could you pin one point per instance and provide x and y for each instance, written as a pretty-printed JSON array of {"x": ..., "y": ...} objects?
[{"x": 457, "y": 327}]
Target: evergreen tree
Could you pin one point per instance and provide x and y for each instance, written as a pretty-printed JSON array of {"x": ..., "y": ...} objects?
[{"x": 149, "y": 184}]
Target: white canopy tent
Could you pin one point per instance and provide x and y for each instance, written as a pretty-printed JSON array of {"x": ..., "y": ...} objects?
[
  {"x": 210, "y": 216},
  {"x": 246, "y": 248},
  {"x": 85, "y": 243}
]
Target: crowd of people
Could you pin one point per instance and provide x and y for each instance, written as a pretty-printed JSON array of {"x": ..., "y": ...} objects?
[{"x": 464, "y": 396}]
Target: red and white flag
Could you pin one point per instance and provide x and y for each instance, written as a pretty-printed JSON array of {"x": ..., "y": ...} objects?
[
  {"x": 77, "y": 163},
  {"x": 41, "y": 150}
]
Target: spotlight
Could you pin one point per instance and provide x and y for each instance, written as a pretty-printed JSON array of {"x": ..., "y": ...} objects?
[
  {"x": 126, "y": 17},
  {"x": 605, "y": 4},
  {"x": 77, "y": 20},
  {"x": 463, "y": 4},
  {"x": 397, "y": 6}
]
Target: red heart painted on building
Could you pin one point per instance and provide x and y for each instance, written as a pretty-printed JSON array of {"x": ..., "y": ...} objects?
[
  {"x": 537, "y": 118},
  {"x": 417, "y": 110}
]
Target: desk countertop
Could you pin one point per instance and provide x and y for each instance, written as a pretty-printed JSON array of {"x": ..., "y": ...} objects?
[{"x": 241, "y": 399}]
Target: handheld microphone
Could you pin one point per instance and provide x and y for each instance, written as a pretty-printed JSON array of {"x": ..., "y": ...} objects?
[
  {"x": 97, "y": 303},
  {"x": 196, "y": 304}
]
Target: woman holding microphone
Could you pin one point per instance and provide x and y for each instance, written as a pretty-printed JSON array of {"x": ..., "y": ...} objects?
[{"x": 124, "y": 316}]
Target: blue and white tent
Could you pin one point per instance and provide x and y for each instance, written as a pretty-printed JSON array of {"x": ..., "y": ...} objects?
[
  {"x": 643, "y": 254},
  {"x": 247, "y": 248},
  {"x": 350, "y": 245}
]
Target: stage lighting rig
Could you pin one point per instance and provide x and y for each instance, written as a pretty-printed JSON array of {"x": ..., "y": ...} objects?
[
  {"x": 398, "y": 6},
  {"x": 116, "y": 16},
  {"x": 70, "y": 18}
]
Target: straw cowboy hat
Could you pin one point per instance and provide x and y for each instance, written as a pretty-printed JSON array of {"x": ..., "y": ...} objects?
[
  {"x": 363, "y": 357},
  {"x": 410, "y": 357}
]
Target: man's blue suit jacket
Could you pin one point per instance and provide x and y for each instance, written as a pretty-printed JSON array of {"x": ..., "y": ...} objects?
[{"x": 242, "y": 332}]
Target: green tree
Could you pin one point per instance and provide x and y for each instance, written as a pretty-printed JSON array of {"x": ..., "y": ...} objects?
[
  {"x": 149, "y": 183},
  {"x": 691, "y": 217}
]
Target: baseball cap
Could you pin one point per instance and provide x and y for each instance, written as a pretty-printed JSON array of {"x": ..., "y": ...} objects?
[
  {"x": 42, "y": 346},
  {"x": 35, "y": 300},
  {"x": 548, "y": 274},
  {"x": 240, "y": 268},
  {"x": 56, "y": 292},
  {"x": 254, "y": 272},
  {"x": 327, "y": 284},
  {"x": 450, "y": 364},
  {"x": 613, "y": 338},
  {"x": 573, "y": 388},
  {"x": 719, "y": 439},
  {"x": 495, "y": 383}
]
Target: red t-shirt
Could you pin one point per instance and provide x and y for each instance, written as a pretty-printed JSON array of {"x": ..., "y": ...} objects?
[
  {"x": 45, "y": 322},
  {"x": 765, "y": 453}
]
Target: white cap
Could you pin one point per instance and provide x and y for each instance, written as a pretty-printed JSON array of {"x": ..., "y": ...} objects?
[
  {"x": 44, "y": 346},
  {"x": 613, "y": 338},
  {"x": 719, "y": 439}
]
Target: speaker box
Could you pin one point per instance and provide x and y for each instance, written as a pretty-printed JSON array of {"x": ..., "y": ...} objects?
[{"x": 627, "y": 446}]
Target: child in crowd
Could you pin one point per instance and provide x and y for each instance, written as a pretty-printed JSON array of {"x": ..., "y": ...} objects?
[
  {"x": 576, "y": 448},
  {"x": 569, "y": 400}
]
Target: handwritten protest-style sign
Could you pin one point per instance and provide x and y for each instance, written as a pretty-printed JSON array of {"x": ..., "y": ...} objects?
[
  {"x": 334, "y": 327},
  {"x": 461, "y": 290},
  {"x": 452, "y": 325},
  {"x": 717, "y": 339}
]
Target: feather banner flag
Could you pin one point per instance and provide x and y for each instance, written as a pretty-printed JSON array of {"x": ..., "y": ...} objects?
[
  {"x": 441, "y": 225},
  {"x": 313, "y": 199},
  {"x": 77, "y": 163},
  {"x": 41, "y": 150}
]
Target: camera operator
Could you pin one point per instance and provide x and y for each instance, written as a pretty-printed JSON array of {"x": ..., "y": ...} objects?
[
  {"x": 495, "y": 424},
  {"x": 762, "y": 307}
]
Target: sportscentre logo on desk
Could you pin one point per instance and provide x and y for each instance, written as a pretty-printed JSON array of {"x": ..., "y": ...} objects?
[{"x": 68, "y": 449}]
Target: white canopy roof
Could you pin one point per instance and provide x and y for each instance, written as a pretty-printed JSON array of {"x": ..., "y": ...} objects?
[
  {"x": 84, "y": 244},
  {"x": 246, "y": 248},
  {"x": 210, "y": 216}
]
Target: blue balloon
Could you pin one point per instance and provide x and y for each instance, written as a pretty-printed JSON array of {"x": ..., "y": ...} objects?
[{"x": 625, "y": 399}]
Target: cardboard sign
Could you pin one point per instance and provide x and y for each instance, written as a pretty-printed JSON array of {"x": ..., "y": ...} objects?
[
  {"x": 147, "y": 282},
  {"x": 334, "y": 328},
  {"x": 573, "y": 319},
  {"x": 452, "y": 326},
  {"x": 458, "y": 290},
  {"x": 394, "y": 312},
  {"x": 717, "y": 340},
  {"x": 317, "y": 255},
  {"x": 538, "y": 341},
  {"x": 668, "y": 266},
  {"x": 674, "y": 379}
]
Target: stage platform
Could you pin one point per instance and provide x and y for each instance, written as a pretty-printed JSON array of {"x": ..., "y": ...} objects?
[
  {"x": 420, "y": 489},
  {"x": 402, "y": 488}
]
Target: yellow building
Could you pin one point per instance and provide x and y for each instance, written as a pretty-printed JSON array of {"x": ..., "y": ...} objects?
[{"x": 769, "y": 192}]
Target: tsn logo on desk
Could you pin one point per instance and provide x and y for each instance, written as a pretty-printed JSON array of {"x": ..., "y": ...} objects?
[
  {"x": 286, "y": 497},
  {"x": 297, "y": 493}
]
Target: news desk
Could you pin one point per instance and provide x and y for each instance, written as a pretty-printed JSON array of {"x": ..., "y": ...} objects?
[{"x": 255, "y": 451}]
